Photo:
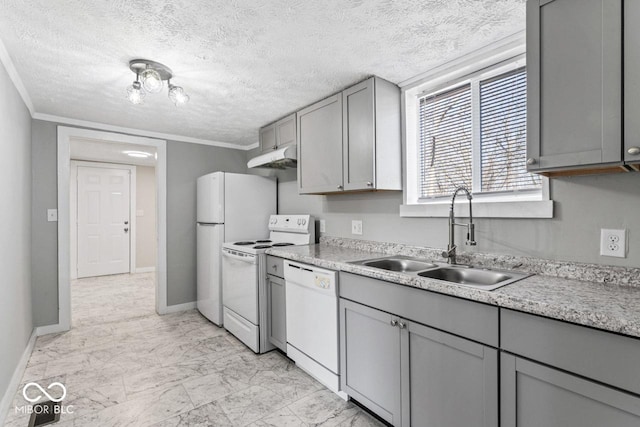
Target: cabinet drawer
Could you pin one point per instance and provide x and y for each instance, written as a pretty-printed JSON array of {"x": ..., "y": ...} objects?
[
  {"x": 473, "y": 320},
  {"x": 275, "y": 266},
  {"x": 602, "y": 356}
]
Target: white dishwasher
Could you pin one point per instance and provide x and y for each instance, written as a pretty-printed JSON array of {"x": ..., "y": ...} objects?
[{"x": 312, "y": 322}]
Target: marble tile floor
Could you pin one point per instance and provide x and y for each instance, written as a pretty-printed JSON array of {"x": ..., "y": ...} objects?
[{"x": 135, "y": 368}]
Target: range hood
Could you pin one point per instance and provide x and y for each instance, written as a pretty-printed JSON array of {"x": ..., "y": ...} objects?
[{"x": 277, "y": 159}]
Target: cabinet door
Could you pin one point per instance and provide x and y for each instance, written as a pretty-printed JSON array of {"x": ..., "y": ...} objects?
[
  {"x": 277, "y": 324},
  {"x": 268, "y": 138},
  {"x": 534, "y": 395},
  {"x": 370, "y": 359},
  {"x": 632, "y": 82},
  {"x": 286, "y": 131},
  {"x": 359, "y": 136},
  {"x": 574, "y": 83},
  {"x": 451, "y": 381},
  {"x": 320, "y": 147}
]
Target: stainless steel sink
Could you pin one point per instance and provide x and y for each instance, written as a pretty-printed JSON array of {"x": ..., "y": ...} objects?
[
  {"x": 479, "y": 278},
  {"x": 400, "y": 264}
]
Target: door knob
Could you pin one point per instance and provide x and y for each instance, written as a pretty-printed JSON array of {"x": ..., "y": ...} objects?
[
  {"x": 531, "y": 161},
  {"x": 126, "y": 222},
  {"x": 634, "y": 151},
  {"x": 402, "y": 325},
  {"x": 369, "y": 184},
  {"x": 394, "y": 322},
  {"x": 126, "y": 230},
  {"x": 340, "y": 187}
]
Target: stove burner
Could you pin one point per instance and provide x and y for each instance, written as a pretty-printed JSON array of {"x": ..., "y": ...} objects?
[
  {"x": 263, "y": 241},
  {"x": 261, "y": 246},
  {"x": 245, "y": 243},
  {"x": 283, "y": 244}
]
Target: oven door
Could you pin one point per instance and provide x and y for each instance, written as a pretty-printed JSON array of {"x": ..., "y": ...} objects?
[{"x": 240, "y": 283}]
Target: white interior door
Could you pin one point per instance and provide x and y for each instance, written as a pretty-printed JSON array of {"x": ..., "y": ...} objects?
[{"x": 103, "y": 221}]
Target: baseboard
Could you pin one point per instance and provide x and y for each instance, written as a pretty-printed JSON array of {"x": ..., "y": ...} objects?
[
  {"x": 180, "y": 307},
  {"x": 145, "y": 270},
  {"x": 49, "y": 329},
  {"x": 9, "y": 393}
]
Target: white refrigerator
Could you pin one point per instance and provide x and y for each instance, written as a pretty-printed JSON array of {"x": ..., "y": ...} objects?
[{"x": 231, "y": 207}]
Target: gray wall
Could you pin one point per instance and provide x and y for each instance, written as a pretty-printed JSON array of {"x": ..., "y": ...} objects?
[
  {"x": 15, "y": 229},
  {"x": 583, "y": 205},
  {"x": 44, "y": 265},
  {"x": 185, "y": 162}
]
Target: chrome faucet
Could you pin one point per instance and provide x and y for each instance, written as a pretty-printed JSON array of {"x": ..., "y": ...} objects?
[{"x": 450, "y": 253}]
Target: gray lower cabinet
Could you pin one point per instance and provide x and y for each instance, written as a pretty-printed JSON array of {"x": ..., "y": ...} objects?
[
  {"x": 451, "y": 381},
  {"x": 277, "y": 318},
  {"x": 413, "y": 375},
  {"x": 277, "y": 323},
  {"x": 534, "y": 395},
  {"x": 370, "y": 359}
]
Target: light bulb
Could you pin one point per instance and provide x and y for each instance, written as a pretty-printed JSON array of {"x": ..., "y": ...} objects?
[
  {"x": 135, "y": 94},
  {"x": 177, "y": 95},
  {"x": 151, "y": 80}
]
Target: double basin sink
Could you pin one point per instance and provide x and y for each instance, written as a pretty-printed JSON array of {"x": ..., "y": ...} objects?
[{"x": 480, "y": 278}]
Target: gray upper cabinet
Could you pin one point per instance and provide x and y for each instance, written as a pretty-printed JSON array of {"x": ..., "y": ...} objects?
[
  {"x": 320, "y": 146},
  {"x": 574, "y": 84},
  {"x": 368, "y": 150},
  {"x": 632, "y": 83},
  {"x": 278, "y": 134}
]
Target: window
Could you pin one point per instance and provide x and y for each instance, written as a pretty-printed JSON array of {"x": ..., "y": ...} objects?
[
  {"x": 469, "y": 129},
  {"x": 447, "y": 138}
]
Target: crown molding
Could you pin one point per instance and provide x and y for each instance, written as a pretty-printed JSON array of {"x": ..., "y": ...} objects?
[
  {"x": 139, "y": 132},
  {"x": 15, "y": 77}
]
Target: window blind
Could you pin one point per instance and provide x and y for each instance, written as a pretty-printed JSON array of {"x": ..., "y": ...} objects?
[
  {"x": 445, "y": 142},
  {"x": 503, "y": 134}
]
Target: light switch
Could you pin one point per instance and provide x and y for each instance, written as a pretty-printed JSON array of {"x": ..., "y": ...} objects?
[{"x": 52, "y": 215}]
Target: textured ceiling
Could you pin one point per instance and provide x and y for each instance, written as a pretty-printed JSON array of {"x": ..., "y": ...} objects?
[{"x": 244, "y": 62}]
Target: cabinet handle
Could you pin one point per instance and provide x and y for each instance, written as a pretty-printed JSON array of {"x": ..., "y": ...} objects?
[
  {"x": 531, "y": 161},
  {"x": 634, "y": 151},
  {"x": 394, "y": 322},
  {"x": 402, "y": 325},
  {"x": 275, "y": 267},
  {"x": 340, "y": 187},
  {"x": 369, "y": 184}
]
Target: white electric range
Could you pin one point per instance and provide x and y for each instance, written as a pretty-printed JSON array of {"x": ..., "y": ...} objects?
[{"x": 244, "y": 291}]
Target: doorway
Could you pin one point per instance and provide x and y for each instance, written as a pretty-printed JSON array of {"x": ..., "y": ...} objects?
[
  {"x": 77, "y": 258},
  {"x": 103, "y": 198}
]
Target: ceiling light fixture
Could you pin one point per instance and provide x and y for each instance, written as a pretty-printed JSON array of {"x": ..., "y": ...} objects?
[
  {"x": 139, "y": 154},
  {"x": 150, "y": 77}
]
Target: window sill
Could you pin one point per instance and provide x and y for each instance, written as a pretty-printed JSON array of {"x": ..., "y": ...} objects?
[{"x": 522, "y": 209}]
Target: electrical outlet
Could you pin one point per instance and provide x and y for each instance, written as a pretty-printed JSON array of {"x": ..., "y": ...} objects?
[
  {"x": 356, "y": 227},
  {"x": 52, "y": 215},
  {"x": 323, "y": 226},
  {"x": 613, "y": 243}
]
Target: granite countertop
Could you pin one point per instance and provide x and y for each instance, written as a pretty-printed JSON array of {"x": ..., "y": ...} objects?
[{"x": 608, "y": 300}]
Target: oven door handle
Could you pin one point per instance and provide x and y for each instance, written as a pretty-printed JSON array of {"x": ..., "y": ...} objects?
[{"x": 249, "y": 259}]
